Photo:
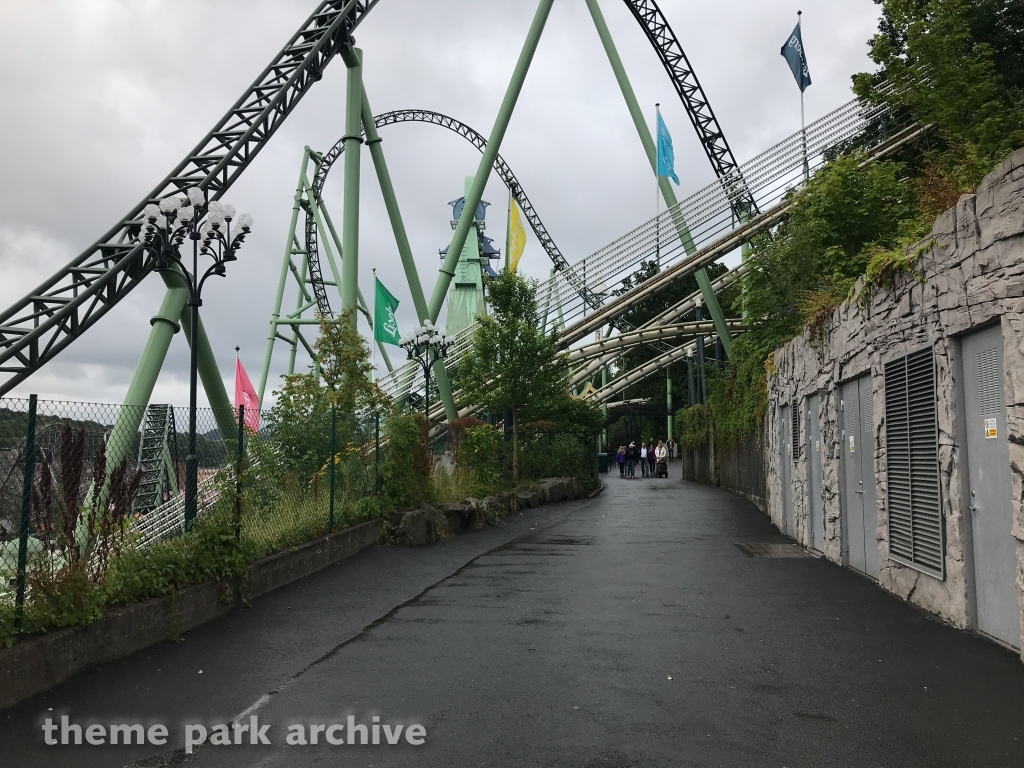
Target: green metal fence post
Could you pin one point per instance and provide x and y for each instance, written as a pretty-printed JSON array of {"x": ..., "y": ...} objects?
[
  {"x": 376, "y": 452},
  {"x": 331, "y": 461},
  {"x": 26, "y": 511},
  {"x": 238, "y": 472}
]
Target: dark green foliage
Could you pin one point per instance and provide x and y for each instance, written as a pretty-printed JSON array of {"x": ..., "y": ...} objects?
[
  {"x": 957, "y": 65},
  {"x": 846, "y": 212},
  {"x": 512, "y": 363},
  {"x": 557, "y": 455},
  {"x": 405, "y": 468}
]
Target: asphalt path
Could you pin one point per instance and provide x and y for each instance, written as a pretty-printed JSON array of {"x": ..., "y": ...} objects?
[{"x": 628, "y": 630}]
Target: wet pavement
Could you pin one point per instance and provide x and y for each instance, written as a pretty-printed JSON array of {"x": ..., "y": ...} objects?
[{"x": 634, "y": 629}]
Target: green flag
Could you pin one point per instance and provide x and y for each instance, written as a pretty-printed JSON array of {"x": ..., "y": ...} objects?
[{"x": 385, "y": 326}]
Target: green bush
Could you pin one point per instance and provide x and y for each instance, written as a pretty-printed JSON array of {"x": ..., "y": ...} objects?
[
  {"x": 558, "y": 455},
  {"x": 481, "y": 453},
  {"x": 405, "y": 467}
]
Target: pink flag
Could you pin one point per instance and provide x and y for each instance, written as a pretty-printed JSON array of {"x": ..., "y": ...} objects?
[{"x": 245, "y": 394}]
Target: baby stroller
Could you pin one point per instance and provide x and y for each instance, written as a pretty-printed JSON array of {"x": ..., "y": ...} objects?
[{"x": 661, "y": 469}]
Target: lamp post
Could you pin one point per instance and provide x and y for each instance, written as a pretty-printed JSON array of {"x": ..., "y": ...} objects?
[
  {"x": 426, "y": 345},
  {"x": 164, "y": 230}
]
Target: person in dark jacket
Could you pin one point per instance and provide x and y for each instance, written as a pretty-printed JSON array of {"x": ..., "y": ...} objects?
[
  {"x": 620, "y": 459},
  {"x": 651, "y": 458},
  {"x": 632, "y": 455}
]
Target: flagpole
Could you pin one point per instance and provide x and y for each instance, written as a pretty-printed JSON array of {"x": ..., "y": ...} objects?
[
  {"x": 657, "y": 196},
  {"x": 508, "y": 232},
  {"x": 803, "y": 121},
  {"x": 373, "y": 371}
]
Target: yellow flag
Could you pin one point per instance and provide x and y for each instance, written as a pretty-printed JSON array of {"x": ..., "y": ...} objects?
[{"x": 516, "y": 237}]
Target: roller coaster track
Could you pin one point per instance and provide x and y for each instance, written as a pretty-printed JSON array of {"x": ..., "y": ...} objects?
[
  {"x": 501, "y": 168},
  {"x": 38, "y": 327}
]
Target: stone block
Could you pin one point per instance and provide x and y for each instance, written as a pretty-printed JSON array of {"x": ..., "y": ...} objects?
[{"x": 527, "y": 498}]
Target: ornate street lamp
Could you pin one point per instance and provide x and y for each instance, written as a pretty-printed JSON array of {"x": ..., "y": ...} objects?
[
  {"x": 165, "y": 228},
  {"x": 425, "y": 345}
]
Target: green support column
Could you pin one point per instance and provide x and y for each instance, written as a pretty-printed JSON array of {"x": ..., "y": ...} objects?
[
  {"x": 487, "y": 160},
  {"x": 350, "y": 218},
  {"x": 163, "y": 326},
  {"x": 319, "y": 209},
  {"x": 652, "y": 154},
  {"x": 276, "y": 315},
  {"x": 412, "y": 276},
  {"x": 668, "y": 399}
]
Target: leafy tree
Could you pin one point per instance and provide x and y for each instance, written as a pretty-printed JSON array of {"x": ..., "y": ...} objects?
[
  {"x": 955, "y": 64},
  {"x": 512, "y": 363},
  {"x": 808, "y": 264}
]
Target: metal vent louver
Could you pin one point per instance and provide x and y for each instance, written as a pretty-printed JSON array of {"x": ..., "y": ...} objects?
[
  {"x": 990, "y": 388},
  {"x": 912, "y": 460},
  {"x": 795, "y": 411}
]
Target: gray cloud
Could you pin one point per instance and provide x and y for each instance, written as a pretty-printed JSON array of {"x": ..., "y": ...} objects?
[{"x": 102, "y": 98}]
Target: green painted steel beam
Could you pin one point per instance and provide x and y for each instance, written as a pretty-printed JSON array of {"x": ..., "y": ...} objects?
[
  {"x": 283, "y": 279},
  {"x": 412, "y": 276},
  {"x": 353, "y": 140},
  {"x": 319, "y": 209},
  {"x": 490, "y": 152},
  {"x": 703, "y": 281}
]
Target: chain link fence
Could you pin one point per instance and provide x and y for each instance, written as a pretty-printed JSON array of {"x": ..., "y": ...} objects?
[{"x": 93, "y": 502}]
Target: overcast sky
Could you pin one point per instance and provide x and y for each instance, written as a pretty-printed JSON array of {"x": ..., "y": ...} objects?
[{"x": 103, "y": 97}]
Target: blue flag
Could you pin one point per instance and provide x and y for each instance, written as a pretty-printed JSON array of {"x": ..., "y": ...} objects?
[
  {"x": 666, "y": 155},
  {"x": 793, "y": 53}
]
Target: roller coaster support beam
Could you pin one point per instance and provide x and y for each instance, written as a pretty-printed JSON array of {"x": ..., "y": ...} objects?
[
  {"x": 350, "y": 217},
  {"x": 165, "y": 323},
  {"x": 652, "y": 154},
  {"x": 412, "y": 275},
  {"x": 283, "y": 280},
  {"x": 490, "y": 153},
  {"x": 320, "y": 210}
]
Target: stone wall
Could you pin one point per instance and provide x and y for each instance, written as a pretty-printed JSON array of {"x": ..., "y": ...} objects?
[{"x": 972, "y": 275}]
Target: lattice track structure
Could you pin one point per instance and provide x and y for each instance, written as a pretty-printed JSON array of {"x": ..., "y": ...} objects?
[
  {"x": 500, "y": 167},
  {"x": 42, "y": 324},
  {"x": 158, "y": 452}
]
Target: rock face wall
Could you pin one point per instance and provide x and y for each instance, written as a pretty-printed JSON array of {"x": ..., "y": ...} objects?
[{"x": 971, "y": 275}]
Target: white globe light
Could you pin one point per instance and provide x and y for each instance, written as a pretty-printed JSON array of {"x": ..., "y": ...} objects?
[
  {"x": 245, "y": 221},
  {"x": 170, "y": 204},
  {"x": 214, "y": 219},
  {"x": 185, "y": 214},
  {"x": 228, "y": 211},
  {"x": 196, "y": 196},
  {"x": 216, "y": 208},
  {"x": 150, "y": 212}
]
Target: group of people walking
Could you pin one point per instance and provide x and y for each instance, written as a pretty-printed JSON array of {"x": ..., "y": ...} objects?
[{"x": 651, "y": 458}]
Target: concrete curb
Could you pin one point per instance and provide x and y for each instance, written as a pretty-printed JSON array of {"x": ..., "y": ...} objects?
[{"x": 39, "y": 663}]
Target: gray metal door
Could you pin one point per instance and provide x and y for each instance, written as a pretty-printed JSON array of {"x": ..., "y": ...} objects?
[
  {"x": 869, "y": 498},
  {"x": 853, "y": 505},
  {"x": 853, "y": 476},
  {"x": 988, "y": 460},
  {"x": 785, "y": 440},
  {"x": 814, "y": 456}
]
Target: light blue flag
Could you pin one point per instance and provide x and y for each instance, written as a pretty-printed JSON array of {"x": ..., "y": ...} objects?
[{"x": 666, "y": 155}]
